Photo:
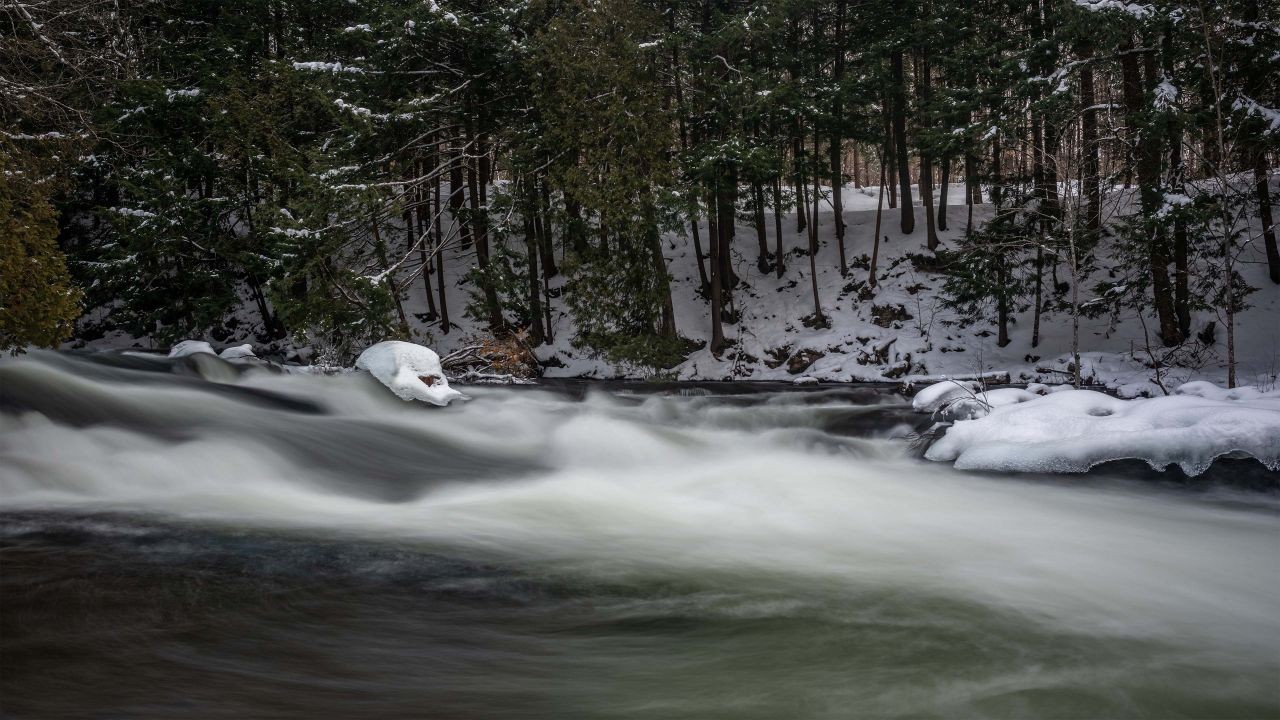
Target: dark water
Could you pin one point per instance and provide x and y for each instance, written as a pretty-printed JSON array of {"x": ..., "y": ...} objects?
[{"x": 267, "y": 545}]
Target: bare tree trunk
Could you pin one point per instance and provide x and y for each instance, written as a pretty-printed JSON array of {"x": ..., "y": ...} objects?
[
  {"x": 380, "y": 248},
  {"x": 875, "y": 247},
  {"x": 926, "y": 163},
  {"x": 532, "y": 251},
  {"x": 886, "y": 158},
  {"x": 779, "y": 257},
  {"x": 439, "y": 245},
  {"x": 1089, "y": 139},
  {"x": 545, "y": 245},
  {"x": 762, "y": 238},
  {"x": 1260, "y": 179},
  {"x": 837, "y": 200},
  {"x": 797, "y": 157},
  {"x": 717, "y": 328},
  {"x": 941, "y": 220},
  {"x": 899, "y": 113},
  {"x": 419, "y": 216},
  {"x": 492, "y": 309}
]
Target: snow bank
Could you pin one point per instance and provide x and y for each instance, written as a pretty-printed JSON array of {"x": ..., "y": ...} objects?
[
  {"x": 1073, "y": 430},
  {"x": 238, "y": 352},
  {"x": 935, "y": 396},
  {"x": 963, "y": 400},
  {"x": 190, "y": 347},
  {"x": 413, "y": 372}
]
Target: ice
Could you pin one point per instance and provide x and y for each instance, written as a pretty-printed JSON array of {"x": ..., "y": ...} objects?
[
  {"x": 1073, "y": 430},
  {"x": 413, "y": 372},
  {"x": 190, "y": 347}
]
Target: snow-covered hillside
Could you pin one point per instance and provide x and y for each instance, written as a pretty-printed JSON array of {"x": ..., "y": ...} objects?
[{"x": 900, "y": 330}]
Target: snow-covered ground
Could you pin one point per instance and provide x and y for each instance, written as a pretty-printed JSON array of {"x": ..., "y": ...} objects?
[
  {"x": 898, "y": 331},
  {"x": 929, "y": 342}
]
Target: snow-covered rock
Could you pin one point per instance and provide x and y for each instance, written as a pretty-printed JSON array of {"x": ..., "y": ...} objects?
[
  {"x": 238, "y": 352},
  {"x": 967, "y": 406},
  {"x": 1073, "y": 430},
  {"x": 938, "y": 394},
  {"x": 190, "y": 347},
  {"x": 805, "y": 380},
  {"x": 413, "y": 372}
]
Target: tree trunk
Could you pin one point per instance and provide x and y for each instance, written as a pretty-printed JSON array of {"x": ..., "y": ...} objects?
[
  {"x": 837, "y": 200},
  {"x": 762, "y": 238},
  {"x": 380, "y": 248},
  {"x": 545, "y": 245},
  {"x": 1090, "y": 162},
  {"x": 926, "y": 161},
  {"x": 899, "y": 112},
  {"x": 797, "y": 157},
  {"x": 886, "y": 158},
  {"x": 717, "y": 328},
  {"x": 532, "y": 251},
  {"x": 1260, "y": 178},
  {"x": 875, "y": 246},
  {"x": 439, "y": 247},
  {"x": 779, "y": 257},
  {"x": 943, "y": 186},
  {"x": 1147, "y": 151},
  {"x": 481, "y": 236},
  {"x": 727, "y": 225}
]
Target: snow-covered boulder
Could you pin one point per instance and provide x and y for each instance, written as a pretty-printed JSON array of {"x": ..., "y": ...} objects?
[
  {"x": 1073, "y": 430},
  {"x": 190, "y": 347},
  {"x": 238, "y": 352},
  {"x": 975, "y": 405},
  {"x": 935, "y": 396},
  {"x": 413, "y": 372}
]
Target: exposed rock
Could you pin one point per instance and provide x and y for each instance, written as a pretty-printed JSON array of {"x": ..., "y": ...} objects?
[
  {"x": 886, "y": 315},
  {"x": 802, "y": 360}
]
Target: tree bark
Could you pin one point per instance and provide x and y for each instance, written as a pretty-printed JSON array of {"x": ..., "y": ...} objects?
[
  {"x": 1090, "y": 162},
  {"x": 899, "y": 113},
  {"x": 779, "y": 257}
]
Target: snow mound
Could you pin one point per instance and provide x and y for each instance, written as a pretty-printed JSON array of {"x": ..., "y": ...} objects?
[
  {"x": 805, "y": 380},
  {"x": 238, "y": 352},
  {"x": 967, "y": 406},
  {"x": 938, "y": 394},
  {"x": 413, "y": 372},
  {"x": 1073, "y": 430},
  {"x": 190, "y": 347}
]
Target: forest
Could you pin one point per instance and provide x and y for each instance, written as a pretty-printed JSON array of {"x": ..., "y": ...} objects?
[{"x": 317, "y": 173}]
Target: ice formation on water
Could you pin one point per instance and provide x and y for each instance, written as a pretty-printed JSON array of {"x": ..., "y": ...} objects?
[
  {"x": 1073, "y": 430},
  {"x": 413, "y": 372}
]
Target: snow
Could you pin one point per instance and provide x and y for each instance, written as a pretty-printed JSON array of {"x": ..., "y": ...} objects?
[
  {"x": 1074, "y": 430},
  {"x": 238, "y": 352},
  {"x": 935, "y": 396},
  {"x": 934, "y": 342},
  {"x": 402, "y": 365},
  {"x": 963, "y": 399},
  {"x": 1134, "y": 9},
  {"x": 190, "y": 347}
]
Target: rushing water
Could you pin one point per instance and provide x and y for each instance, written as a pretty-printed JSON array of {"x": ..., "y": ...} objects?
[{"x": 273, "y": 545}]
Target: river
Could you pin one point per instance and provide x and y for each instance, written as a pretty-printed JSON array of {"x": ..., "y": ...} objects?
[{"x": 290, "y": 546}]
